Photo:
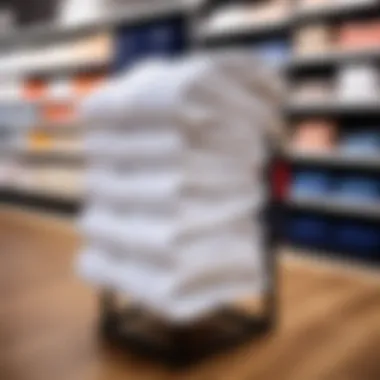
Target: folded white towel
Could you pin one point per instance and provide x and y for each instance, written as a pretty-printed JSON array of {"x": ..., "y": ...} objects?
[{"x": 177, "y": 153}]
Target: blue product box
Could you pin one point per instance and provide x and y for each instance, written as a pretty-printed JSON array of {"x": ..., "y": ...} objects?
[
  {"x": 310, "y": 184},
  {"x": 166, "y": 38},
  {"x": 361, "y": 142},
  {"x": 358, "y": 189},
  {"x": 358, "y": 239},
  {"x": 133, "y": 44},
  {"x": 309, "y": 230},
  {"x": 274, "y": 53},
  {"x": 130, "y": 47}
]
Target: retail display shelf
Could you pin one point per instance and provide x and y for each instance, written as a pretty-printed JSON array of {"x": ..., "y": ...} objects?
[
  {"x": 61, "y": 69},
  {"x": 51, "y": 156},
  {"x": 40, "y": 101},
  {"x": 340, "y": 160},
  {"x": 332, "y": 59},
  {"x": 59, "y": 128},
  {"x": 242, "y": 34},
  {"x": 48, "y": 33},
  {"x": 333, "y": 260},
  {"x": 329, "y": 11},
  {"x": 27, "y": 198},
  {"x": 336, "y": 206},
  {"x": 334, "y": 108}
]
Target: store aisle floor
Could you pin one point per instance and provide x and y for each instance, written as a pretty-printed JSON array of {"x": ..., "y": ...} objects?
[{"x": 330, "y": 320}]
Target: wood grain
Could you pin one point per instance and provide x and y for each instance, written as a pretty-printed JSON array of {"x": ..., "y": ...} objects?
[{"x": 329, "y": 326}]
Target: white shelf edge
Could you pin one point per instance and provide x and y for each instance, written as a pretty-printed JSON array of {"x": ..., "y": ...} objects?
[
  {"x": 341, "y": 159},
  {"x": 79, "y": 155},
  {"x": 334, "y": 10},
  {"x": 333, "y": 106},
  {"x": 334, "y": 205},
  {"x": 331, "y": 58},
  {"x": 51, "y": 32},
  {"x": 235, "y": 32}
]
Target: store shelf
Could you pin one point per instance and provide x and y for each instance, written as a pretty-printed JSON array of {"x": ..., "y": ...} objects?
[
  {"x": 41, "y": 201},
  {"x": 334, "y": 108},
  {"x": 334, "y": 260},
  {"x": 61, "y": 69},
  {"x": 336, "y": 12},
  {"x": 49, "y": 33},
  {"x": 339, "y": 160},
  {"x": 334, "y": 59},
  {"x": 242, "y": 34},
  {"x": 59, "y": 128},
  {"x": 336, "y": 206},
  {"x": 60, "y": 157}
]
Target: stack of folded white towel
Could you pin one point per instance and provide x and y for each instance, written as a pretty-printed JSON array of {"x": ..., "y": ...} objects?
[
  {"x": 358, "y": 83},
  {"x": 177, "y": 153}
]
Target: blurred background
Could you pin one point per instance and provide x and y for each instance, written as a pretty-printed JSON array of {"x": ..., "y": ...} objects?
[{"x": 54, "y": 53}]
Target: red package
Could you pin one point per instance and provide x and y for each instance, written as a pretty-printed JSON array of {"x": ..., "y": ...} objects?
[
  {"x": 35, "y": 89},
  {"x": 317, "y": 135},
  {"x": 359, "y": 35}
]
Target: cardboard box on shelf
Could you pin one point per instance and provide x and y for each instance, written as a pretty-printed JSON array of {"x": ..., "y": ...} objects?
[
  {"x": 358, "y": 83},
  {"x": 314, "y": 136},
  {"x": 84, "y": 84},
  {"x": 240, "y": 16},
  {"x": 359, "y": 35},
  {"x": 58, "y": 112},
  {"x": 312, "y": 90},
  {"x": 42, "y": 141},
  {"x": 35, "y": 89},
  {"x": 96, "y": 48},
  {"x": 314, "y": 39},
  {"x": 50, "y": 180}
]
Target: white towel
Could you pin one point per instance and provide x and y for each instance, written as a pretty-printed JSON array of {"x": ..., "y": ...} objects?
[{"x": 177, "y": 153}]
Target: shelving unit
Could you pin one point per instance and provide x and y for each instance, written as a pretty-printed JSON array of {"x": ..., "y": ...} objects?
[
  {"x": 244, "y": 34},
  {"x": 247, "y": 36},
  {"x": 51, "y": 156},
  {"x": 41, "y": 201},
  {"x": 337, "y": 160},
  {"x": 60, "y": 128},
  {"x": 333, "y": 108},
  {"x": 302, "y": 66},
  {"x": 332, "y": 15},
  {"x": 333, "y": 260},
  {"x": 48, "y": 33},
  {"x": 62, "y": 70},
  {"x": 329, "y": 209},
  {"x": 45, "y": 35},
  {"x": 333, "y": 59},
  {"x": 333, "y": 12},
  {"x": 337, "y": 206}
]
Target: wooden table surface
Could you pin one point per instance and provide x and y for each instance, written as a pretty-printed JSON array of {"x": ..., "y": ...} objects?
[{"x": 329, "y": 327}]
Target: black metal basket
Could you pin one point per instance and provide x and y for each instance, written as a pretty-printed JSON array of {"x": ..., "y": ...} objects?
[{"x": 128, "y": 326}]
